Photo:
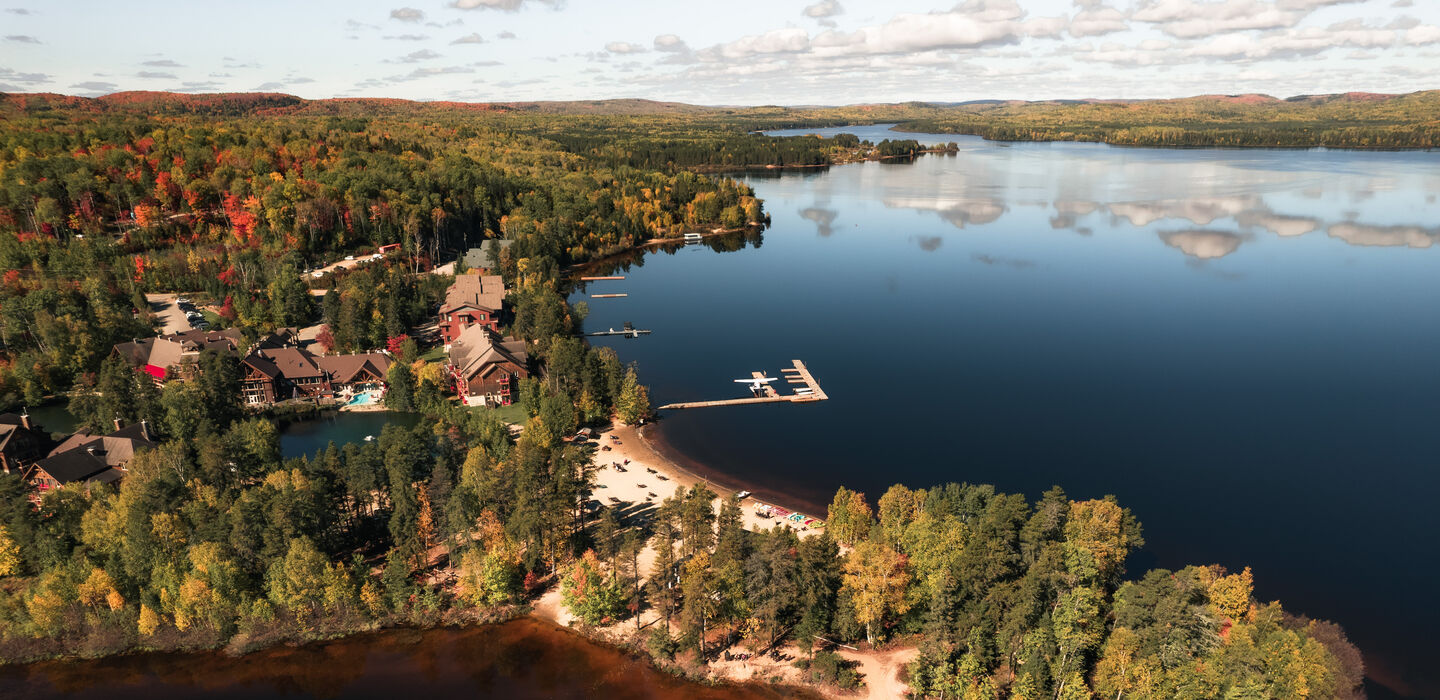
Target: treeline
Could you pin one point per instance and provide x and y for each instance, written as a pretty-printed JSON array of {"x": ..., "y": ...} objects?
[
  {"x": 1004, "y": 598},
  {"x": 724, "y": 151},
  {"x": 1341, "y": 121}
]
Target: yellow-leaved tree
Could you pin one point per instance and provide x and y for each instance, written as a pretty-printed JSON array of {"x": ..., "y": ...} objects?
[
  {"x": 10, "y": 562},
  {"x": 876, "y": 577}
]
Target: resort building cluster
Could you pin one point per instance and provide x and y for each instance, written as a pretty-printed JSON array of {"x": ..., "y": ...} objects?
[{"x": 481, "y": 367}]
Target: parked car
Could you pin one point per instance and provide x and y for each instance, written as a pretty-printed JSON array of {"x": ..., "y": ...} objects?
[{"x": 349, "y": 257}]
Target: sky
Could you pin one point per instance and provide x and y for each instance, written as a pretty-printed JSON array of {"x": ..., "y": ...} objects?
[{"x": 737, "y": 52}]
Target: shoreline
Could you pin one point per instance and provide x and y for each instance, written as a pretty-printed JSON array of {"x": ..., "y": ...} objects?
[{"x": 635, "y": 485}]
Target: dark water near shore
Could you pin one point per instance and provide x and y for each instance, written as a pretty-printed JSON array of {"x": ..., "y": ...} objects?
[
  {"x": 306, "y": 438},
  {"x": 520, "y": 659},
  {"x": 1239, "y": 344}
]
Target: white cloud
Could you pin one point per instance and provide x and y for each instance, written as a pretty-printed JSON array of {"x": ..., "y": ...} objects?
[
  {"x": 472, "y": 38},
  {"x": 1298, "y": 42},
  {"x": 670, "y": 43},
  {"x": 416, "y": 56},
  {"x": 624, "y": 47},
  {"x": 95, "y": 86},
  {"x": 506, "y": 5},
  {"x": 1425, "y": 34},
  {"x": 406, "y": 37},
  {"x": 1190, "y": 19},
  {"x": 22, "y": 39},
  {"x": 154, "y": 75},
  {"x": 420, "y": 73},
  {"x": 407, "y": 14},
  {"x": 162, "y": 63},
  {"x": 823, "y": 9},
  {"x": 1098, "y": 20}
]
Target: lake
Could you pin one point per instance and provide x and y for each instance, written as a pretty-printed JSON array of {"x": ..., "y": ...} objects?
[
  {"x": 520, "y": 659},
  {"x": 1240, "y": 345}
]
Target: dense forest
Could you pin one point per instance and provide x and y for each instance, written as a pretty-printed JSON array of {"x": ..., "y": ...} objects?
[
  {"x": 213, "y": 539},
  {"x": 99, "y": 207},
  {"x": 1356, "y": 120}
]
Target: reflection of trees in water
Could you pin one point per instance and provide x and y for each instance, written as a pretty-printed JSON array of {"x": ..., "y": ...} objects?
[
  {"x": 622, "y": 263},
  {"x": 523, "y": 658}
]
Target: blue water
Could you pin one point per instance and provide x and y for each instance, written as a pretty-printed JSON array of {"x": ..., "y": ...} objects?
[{"x": 1239, "y": 344}]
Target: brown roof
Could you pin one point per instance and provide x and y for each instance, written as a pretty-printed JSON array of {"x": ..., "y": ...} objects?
[
  {"x": 291, "y": 363},
  {"x": 344, "y": 368},
  {"x": 479, "y": 291},
  {"x": 86, "y": 457},
  {"x": 477, "y": 348},
  {"x": 168, "y": 350}
]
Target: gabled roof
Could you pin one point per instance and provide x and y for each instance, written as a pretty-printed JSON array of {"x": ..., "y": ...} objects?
[
  {"x": 166, "y": 351},
  {"x": 477, "y": 348},
  {"x": 76, "y": 465},
  {"x": 291, "y": 363},
  {"x": 261, "y": 364},
  {"x": 479, "y": 291},
  {"x": 479, "y": 257},
  {"x": 281, "y": 338},
  {"x": 85, "y": 457},
  {"x": 344, "y": 368},
  {"x": 12, "y": 425}
]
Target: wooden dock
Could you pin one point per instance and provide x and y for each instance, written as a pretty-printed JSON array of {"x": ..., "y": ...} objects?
[
  {"x": 598, "y": 279},
  {"x": 628, "y": 330},
  {"x": 608, "y": 296},
  {"x": 798, "y": 375}
]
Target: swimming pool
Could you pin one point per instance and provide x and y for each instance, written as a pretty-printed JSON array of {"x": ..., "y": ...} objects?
[{"x": 364, "y": 398}]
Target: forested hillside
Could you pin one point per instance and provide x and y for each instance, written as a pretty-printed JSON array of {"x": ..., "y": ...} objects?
[
  {"x": 103, "y": 201},
  {"x": 1357, "y": 120}
]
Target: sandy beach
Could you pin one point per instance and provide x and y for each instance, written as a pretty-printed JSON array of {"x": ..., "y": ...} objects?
[
  {"x": 632, "y": 490},
  {"x": 649, "y": 478}
]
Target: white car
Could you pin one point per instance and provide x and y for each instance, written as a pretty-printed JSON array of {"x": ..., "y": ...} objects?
[
  {"x": 317, "y": 274},
  {"x": 349, "y": 257}
]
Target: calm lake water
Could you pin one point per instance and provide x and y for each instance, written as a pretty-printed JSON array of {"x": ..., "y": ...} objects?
[
  {"x": 520, "y": 659},
  {"x": 306, "y": 438},
  {"x": 1239, "y": 344}
]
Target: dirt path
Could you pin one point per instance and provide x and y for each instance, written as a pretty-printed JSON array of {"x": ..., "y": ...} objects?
[{"x": 882, "y": 671}]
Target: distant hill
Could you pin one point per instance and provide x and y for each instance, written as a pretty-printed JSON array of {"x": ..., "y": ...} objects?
[
  {"x": 1351, "y": 120},
  {"x": 271, "y": 104}
]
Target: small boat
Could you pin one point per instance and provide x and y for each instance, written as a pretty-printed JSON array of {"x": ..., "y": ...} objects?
[
  {"x": 743, "y": 494},
  {"x": 369, "y": 438}
]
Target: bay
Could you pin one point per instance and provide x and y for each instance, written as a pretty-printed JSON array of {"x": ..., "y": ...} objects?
[{"x": 1238, "y": 344}]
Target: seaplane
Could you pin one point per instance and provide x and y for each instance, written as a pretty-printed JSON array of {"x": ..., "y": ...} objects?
[{"x": 757, "y": 384}]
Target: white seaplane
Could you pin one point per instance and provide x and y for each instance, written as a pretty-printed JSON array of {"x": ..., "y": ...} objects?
[{"x": 757, "y": 384}]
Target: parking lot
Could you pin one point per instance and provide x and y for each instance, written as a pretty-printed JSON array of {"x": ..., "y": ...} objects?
[{"x": 166, "y": 307}]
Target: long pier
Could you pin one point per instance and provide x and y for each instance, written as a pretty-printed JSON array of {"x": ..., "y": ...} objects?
[
  {"x": 608, "y": 296},
  {"x": 808, "y": 391},
  {"x": 598, "y": 279}
]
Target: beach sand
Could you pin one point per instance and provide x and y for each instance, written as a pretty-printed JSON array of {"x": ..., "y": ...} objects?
[
  {"x": 632, "y": 488},
  {"x": 637, "y": 482}
]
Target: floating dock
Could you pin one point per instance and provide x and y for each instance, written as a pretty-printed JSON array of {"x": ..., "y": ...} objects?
[
  {"x": 598, "y": 279},
  {"x": 629, "y": 331},
  {"x": 799, "y": 375},
  {"x": 608, "y": 296}
]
